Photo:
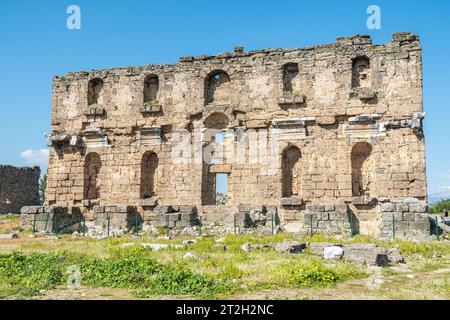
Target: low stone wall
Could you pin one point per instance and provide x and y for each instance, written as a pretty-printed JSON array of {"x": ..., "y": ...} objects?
[
  {"x": 251, "y": 216},
  {"x": 327, "y": 219},
  {"x": 52, "y": 219},
  {"x": 404, "y": 218},
  {"x": 18, "y": 187},
  {"x": 217, "y": 214},
  {"x": 117, "y": 217},
  {"x": 173, "y": 216}
]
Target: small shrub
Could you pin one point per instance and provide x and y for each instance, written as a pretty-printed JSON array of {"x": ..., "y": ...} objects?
[
  {"x": 312, "y": 275},
  {"x": 229, "y": 271}
]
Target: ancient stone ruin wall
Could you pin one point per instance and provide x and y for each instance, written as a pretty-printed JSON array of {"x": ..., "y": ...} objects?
[
  {"x": 337, "y": 125},
  {"x": 18, "y": 187}
]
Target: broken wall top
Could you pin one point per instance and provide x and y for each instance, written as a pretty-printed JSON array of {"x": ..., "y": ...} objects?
[{"x": 323, "y": 86}]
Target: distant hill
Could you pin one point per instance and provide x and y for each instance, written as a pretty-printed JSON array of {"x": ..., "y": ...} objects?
[{"x": 435, "y": 197}]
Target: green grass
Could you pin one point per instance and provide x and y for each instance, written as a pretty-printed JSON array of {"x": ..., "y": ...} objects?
[
  {"x": 212, "y": 273},
  {"x": 314, "y": 273},
  {"x": 41, "y": 264},
  {"x": 27, "y": 274},
  {"x": 427, "y": 249},
  {"x": 9, "y": 216}
]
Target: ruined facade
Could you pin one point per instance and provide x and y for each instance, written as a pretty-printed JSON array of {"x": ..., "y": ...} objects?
[
  {"x": 18, "y": 187},
  {"x": 327, "y": 138}
]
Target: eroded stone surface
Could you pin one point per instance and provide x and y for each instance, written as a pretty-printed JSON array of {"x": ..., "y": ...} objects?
[
  {"x": 341, "y": 125},
  {"x": 18, "y": 187},
  {"x": 371, "y": 254},
  {"x": 290, "y": 247}
]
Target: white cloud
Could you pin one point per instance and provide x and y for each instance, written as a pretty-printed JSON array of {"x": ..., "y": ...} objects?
[
  {"x": 446, "y": 175},
  {"x": 443, "y": 189},
  {"x": 442, "y": 192},
  {"x": 35, "y": 157}
]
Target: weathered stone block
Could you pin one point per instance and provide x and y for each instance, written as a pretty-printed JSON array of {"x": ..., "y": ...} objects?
[
  {"x": 317, "y": 247},
  {"x": 30, "y": 210},
  {"x": 149, "y": 202},
  {"x": 341, "y": 208},
  {"x": 290, "y": 247},
  {"x": 418, "y": 207},
  {"x": 99, "y": 209},
  {"x": 291, "y": 100},
  {"x": 315, "y": 208},
  {"x": 368, "y": 254},
  {"x": 387, "y": 207},
  {"x": 111, "y": 209},
  {"x": 188, "y": 216},
  {"x": 187, "y": 209},
  {"x": 174, "y": 216}
]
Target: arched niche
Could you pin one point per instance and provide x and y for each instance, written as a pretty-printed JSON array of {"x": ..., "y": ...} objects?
[
  {"x": 92, "y": 166},
  {"x": 362, "y": 169},
  {"x": 95, "y": 88},
  {"x": 290, "y": 172}
]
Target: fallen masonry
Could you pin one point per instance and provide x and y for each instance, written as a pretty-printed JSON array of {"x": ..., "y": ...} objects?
[
  {"x": 368, "y": 254},
  {"x": 324, "y": 139}
]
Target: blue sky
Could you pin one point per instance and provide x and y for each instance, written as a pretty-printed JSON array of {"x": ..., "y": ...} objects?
[{"x": 35, "y": 45}]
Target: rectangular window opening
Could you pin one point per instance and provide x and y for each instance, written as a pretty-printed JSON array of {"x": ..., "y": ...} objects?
[
  {"x": 220, "y": 137},
  {"x": 221, "y": 188}
]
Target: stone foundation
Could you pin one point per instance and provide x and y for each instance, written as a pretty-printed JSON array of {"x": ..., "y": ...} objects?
[
  {"x": 397, "y": 218},
  {"x": 404, "y": 218},
  {"x": 52, "y": 219},
  {"x": 327, "y": 219},
  {"x": 117, "y": 217}
]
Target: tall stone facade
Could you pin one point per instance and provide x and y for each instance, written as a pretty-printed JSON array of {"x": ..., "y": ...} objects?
[
  {"x": 326, "y": 138},
  {"x": 18, "y": 187}
]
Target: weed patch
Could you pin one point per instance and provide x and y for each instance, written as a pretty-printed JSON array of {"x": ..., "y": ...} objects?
[
  {"x": 315, "y": 274},
  {"x": 34, "y": 272}
]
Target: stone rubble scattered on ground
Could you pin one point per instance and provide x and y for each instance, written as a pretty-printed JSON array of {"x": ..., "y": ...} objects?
[
  {"x": 368, "y": 254},
  {"x": 371, "y": 254},
  {"x": 290, "y": 247},
  {"x": 9, "y": 236},
  {"x": 153, "y": 246},
  {"x": 53, "y": 237},
  {"x": 333, "y": 253},
  {"x": 318, "y": 247}
]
